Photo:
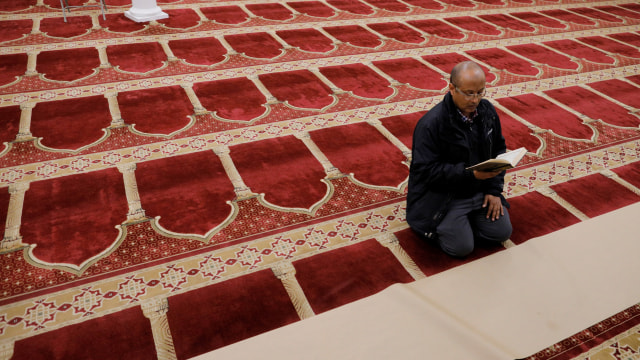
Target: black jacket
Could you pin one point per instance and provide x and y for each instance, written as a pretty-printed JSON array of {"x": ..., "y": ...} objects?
[{"x": 440, "y": 154}]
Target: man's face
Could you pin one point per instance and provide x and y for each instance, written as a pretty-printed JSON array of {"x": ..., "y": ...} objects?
[{"x": 468, "y": 90}]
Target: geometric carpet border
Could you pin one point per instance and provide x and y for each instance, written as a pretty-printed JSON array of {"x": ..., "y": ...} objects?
[{"x": 48, "y": 312}]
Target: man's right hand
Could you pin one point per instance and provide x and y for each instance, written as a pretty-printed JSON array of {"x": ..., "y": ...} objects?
[{"x": 484, "y": 175}]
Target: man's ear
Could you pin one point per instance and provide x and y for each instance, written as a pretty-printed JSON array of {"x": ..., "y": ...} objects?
[{"x": 452, "y": 87}]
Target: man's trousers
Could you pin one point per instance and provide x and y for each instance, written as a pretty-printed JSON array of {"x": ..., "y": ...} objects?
[{"x": 466, "y": 221}]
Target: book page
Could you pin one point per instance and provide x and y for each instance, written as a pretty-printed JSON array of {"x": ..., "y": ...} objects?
[
  {"x": 513, "y": 157},
  {"x": 504, "y": 161}
]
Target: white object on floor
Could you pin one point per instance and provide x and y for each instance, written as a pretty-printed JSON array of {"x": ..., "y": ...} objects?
[{"x": 145, "y": 10}]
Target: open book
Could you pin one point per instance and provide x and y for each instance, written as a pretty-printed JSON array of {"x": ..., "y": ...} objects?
[{"x": 504, "y": 161}]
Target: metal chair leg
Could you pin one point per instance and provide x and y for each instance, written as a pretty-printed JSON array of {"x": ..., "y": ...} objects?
[
  {"x": 64, "y": 4},
  {"x": 64, "y": 8},
  {"x": 103, "y": 7}
]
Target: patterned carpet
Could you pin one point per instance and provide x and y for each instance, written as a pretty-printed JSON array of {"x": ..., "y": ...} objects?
[{"x": 242, "y": 165}]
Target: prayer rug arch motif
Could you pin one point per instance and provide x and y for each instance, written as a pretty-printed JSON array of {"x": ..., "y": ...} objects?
[
  {"x": 76, "y": 269},
  {"x": 203, "y": 52},
  {"x": 328, "y": 207},
  {"x": 55, "y": 27},
  {"x": 205, "y": 238},
  {"x": 309, "y": 211},
  {"x": 56, "y": 65}
]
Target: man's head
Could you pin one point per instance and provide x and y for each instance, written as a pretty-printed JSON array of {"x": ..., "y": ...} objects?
[{"x": 467, "y": 86}]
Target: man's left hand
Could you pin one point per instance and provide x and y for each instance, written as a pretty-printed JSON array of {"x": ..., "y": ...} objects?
[{"x": 494, "y": 205}]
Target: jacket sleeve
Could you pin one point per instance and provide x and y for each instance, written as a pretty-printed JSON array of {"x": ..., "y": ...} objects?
[{"x": 496, "y": 184}]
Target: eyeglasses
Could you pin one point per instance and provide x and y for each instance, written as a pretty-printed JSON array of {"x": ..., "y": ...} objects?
[{"x": 471, "y": 95}]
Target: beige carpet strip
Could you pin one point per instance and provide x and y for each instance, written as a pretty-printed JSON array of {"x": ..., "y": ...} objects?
[{"x": 504, "y": 306}]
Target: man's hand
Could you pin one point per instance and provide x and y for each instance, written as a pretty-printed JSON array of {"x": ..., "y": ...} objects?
[
  {"x": 494, "y": 205},
  {"x": 484, "y": 175}
]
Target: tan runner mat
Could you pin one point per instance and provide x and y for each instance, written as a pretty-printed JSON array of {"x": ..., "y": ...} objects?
[{"x": 504, "y": 306}]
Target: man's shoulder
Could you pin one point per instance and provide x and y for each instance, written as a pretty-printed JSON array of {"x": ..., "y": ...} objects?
[
  {"x": 433, "y": 116},
  {"x": 488, "y": 106}
]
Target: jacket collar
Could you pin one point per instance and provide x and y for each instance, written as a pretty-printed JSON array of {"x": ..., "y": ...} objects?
[{"x": 452, "y": 110}]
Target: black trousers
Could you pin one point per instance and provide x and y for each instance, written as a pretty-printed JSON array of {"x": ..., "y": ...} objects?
[{"x": 466, "y": 221}]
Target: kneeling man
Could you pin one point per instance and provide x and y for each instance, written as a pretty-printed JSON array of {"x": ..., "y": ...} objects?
[{"x": 446, "y": 202}]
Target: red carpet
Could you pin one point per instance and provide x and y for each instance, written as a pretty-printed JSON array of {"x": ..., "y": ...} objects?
[
  {"x": 56, "y": 27},
  {"x": 72, "y": 123},
  {"x": 252, "y": 304},
  {"x": 188, "y": 192},
  {"x": 430, "y": 259},
  {"x": 542, "y": 112},
  {"x": 529, "y": 222},
  {"x": 347, "y": 274},
  {"x": 101, "y": 335},
  {"x": 595, "y": 194},
  {"x": 202, "y": 51},
  {"x": 137, "y": 58},
  {"x": 361, "y": 150},
  {"x": 246, "y": 163},
  {"x": 68, "y": 65},
  {"x": 232, "y": 99},
  {"x": 283, "y": 170},
  {"x": 630, "y": 173},
  {"x": 81, "y": 228},
  {"x": 301, "y": 89}
]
